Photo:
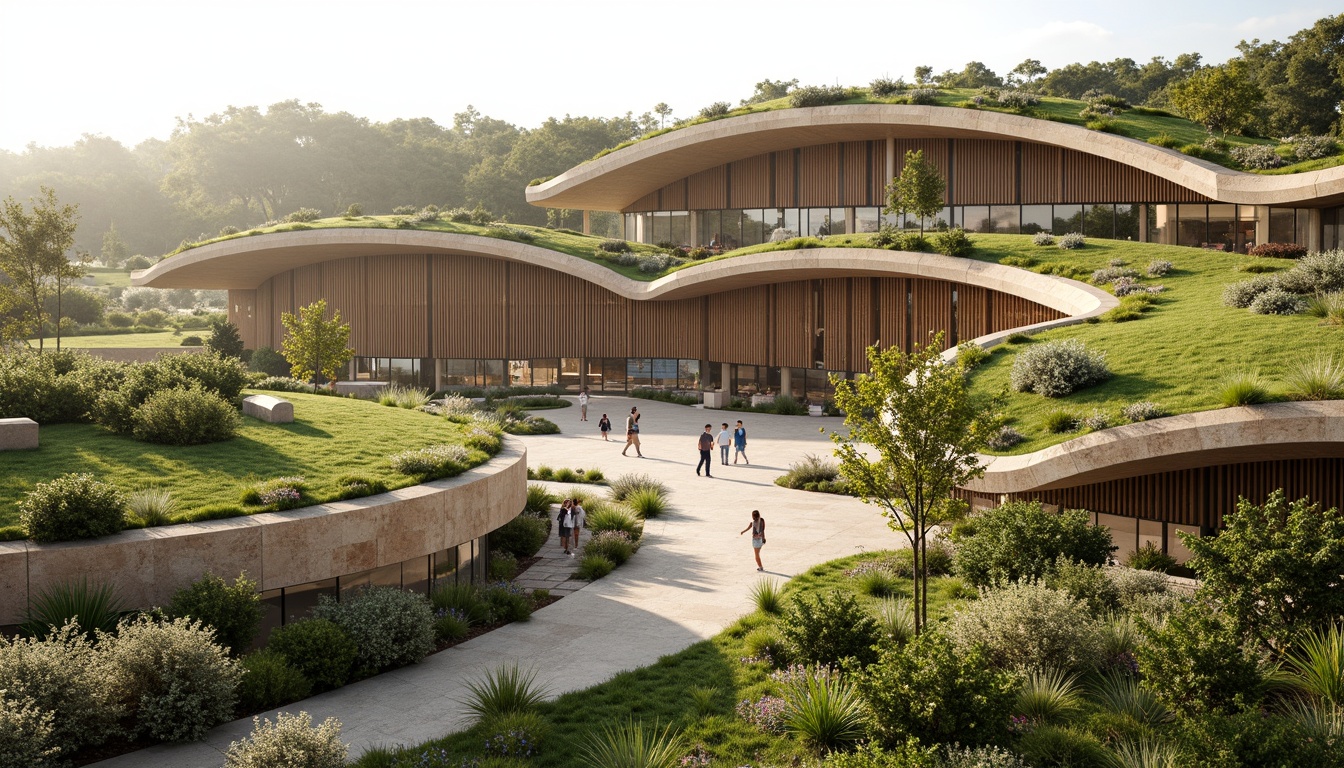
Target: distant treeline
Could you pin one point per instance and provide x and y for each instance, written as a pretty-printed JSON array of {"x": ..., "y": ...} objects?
[{"x": 246, "y": 165}]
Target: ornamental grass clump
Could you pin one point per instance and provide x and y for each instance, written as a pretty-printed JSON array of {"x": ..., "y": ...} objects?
[
  {"x": 614, "y": 518},
  {"x": 505, "y": 690},
  {"x": 399, "y": 396},
  {"x": 1048, "y": 695},
  {"x": 624, "y": 485},
  {"x": 768, "y": 596},
  {"x": 151, "y": 507},
  {"x": 1318, "y": 377},
  {"x": 1058, "y": 368},
  {"x": 1328, "y": 306},
  {"x": 1244, "y": 388},
  {"x": 633, "y": 745},
  {"x": 615, "y": 546},
  {"x": 647, "y": 502},
  {"x": 92, "y": 605},
  {"x": 824, "y": 711}
]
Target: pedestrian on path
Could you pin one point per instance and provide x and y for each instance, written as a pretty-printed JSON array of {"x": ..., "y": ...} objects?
[
  {"x": 604, "y": 424},
  {"x": 578, "y": 521},
  {"x": 757, "y": 529},
  {"x": 725, "y": 440},
  {"x": 564, "y": 521},
  {"x": 583, "y": 404},
  {"x": 706, "y": 446},
  {"x": 740, "y": 443},
  {"x": 632, "y": 432}
]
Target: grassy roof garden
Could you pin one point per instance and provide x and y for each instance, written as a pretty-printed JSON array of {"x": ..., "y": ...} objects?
[
  {"x": 330, "y": 438},
  {"x": 1156, "y": 126}
]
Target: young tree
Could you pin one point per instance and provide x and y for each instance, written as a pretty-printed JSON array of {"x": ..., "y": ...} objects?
[
  {"x": 917, "y": 413},
  {"x": 1221, "y": 99},
  {"x": 662, "y": 111},
  {"x": 114, "y": 248},
  {"x": 923, "y": 74},
  {"x": 224, "y": 339},
  {"x": 1027, "y": 72},
  {"x": 918, "y": 189},
  {"x": 32, "y": 255},
  {"x": 1275, "y": 569},
  {"x": 314, "y": 346}
]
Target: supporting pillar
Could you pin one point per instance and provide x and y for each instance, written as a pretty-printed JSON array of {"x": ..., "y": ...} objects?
[
  {"x": 587, "y": 223},
  {"x": 786, "y": 381},
  {"x": 1143, "y": 223},
  {"x": 438, "y": 375},
  {"x": 694, "y": 225},
  {"x": 1261, "y": 224},
  {"x": 1313, "y": 233},
  {"x": 726, "y": 377},
  {"x": 891, "y": 162}
]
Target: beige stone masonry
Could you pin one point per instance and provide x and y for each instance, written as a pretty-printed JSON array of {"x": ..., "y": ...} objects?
[
  {"x": 18, "y": 434},
  {"x": 278, "y": 549}
]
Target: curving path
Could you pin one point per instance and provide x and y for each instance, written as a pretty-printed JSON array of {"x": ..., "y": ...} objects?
[{"x": 688, "y": 581}]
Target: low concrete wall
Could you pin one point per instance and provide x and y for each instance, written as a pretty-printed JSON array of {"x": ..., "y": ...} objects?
[
  {"x": 136, "y": 354},
  {"x": 278, "y": 549}
]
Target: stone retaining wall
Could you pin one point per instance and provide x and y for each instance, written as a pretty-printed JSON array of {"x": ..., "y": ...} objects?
[{"x": 278, "y": 549}]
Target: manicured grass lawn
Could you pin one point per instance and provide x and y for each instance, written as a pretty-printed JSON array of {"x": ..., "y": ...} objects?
[
  {"x": 330, "y": 437},
  {"x": 568, "y": 242},
  {"x": 126, "y": 340},
  {"x": 662, "y": 693},
  {"x": 106, "y": 276}
]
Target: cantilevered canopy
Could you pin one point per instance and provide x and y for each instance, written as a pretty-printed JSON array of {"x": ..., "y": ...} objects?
[{"x": 615, "y": 181}]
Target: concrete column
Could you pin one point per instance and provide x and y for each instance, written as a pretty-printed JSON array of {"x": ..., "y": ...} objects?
[
  {"x": 587, "y": 224},
  {"x": 694, "y": 224},
  {"x": 1143, "y": 223},
  {"x": 1313, "y": 229},
  {"x": 704, "y": 375},
  {"x": 1261, "y": 224},
  {"x": 351, "y": 370},
  {"x": 891, "y": 162},
  {"x": 849, "y": 220},
  {"x": 438, "y": 374},
  {"x": 726, "y": 377},
  {"x": 786, "y": 381}
]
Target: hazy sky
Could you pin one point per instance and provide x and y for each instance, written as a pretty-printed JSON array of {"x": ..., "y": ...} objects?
[{"x": 126, "y": 69}]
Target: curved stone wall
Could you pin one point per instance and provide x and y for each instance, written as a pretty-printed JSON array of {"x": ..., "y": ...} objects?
[{"x": 278, "y": 549}]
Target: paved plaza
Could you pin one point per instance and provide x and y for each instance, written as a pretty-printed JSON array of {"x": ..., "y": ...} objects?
[{"x": 690, "y": 579}]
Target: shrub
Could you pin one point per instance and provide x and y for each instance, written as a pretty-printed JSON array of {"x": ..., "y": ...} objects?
[
  {"x": 1018, "y": 99},
  {"x": 1241, "y": 295},
  {"x": 1317, "y": 272},
  {"x": 1318, "y": 377},
  {"x": 462, "y": 599},
  {"x": 518, "y": 735},
  {"x": 1057, "y": 422},
  {"x": 358, "y": 486},
  {"x": 283, "y": 492},
  {"x": 184, "y": 416},
  {"x": 957, "y": 756},
  {"x": 1159, "y": 268},
  {"x": 1058, "y": 368},
  {"x": 268, "y": 361},
  {"x": 816, "y": 95},
  {"x": 1053, "y": 745},
  {"x": 73, "y": 506},
  {"x": 431, "y": 462},
  {"x": 1025, "y": 262},
  {"x": 1278, "y": 250},
  {"x": 717, "y": 109},
  {"x": 391, "y": 627},
  {"x": 1164, "y": 140},
  {"x": 1196, "y": 663},
  {"x": 594, "y": 567},
  {"x": 520, "y": 537},
  {"x": 450, "y": 625},
  {"x": 233, "y": 611},
  {"x": 931, "y": 691},
  {"x": 1043, "y": 238},
  {"x": 1244, "y": 388},
  {"x": 969, "y": 354},
  {"x": 625, "y": 485},
  {"x": 178, "y": 682},
  {"x": 1024, "y": 626},
  {"x": 606, "y": 518},
  {"x": 26, "y": 736},
  {"x": 1112, "y": 274},
  {"x": 953, "y": 242},
  {"x": 1089, "y": 584},
  {"x": 764, "y": 644},
  {"x": 1004, "y": 439},
  {"x": 290, "y": 741},
  {"x": 937, "y": 560},
  {"x": 647, "y": 502},
  {"x": 810, "y": 469},
  {"x": 614, "y": 246},
  {"x": 923, "y": 96},
  {"x": 539, "y": 499},
  {"x": 270, "y": 681},
  {"x": 505, "y": 690},
  {"x": 1150, "y": 557},
  {"x": 1314, "y": 147},
  {"x": 318, "y": 648},
  {"x": 60, "y": 677},
  {"x": 1021, "y": 541},
  {"x": 829, "y": 628},
  {"x": 192, "y": 341},
  {"x": 883, "y": 87},
  {"x": 1143, "y": 410},
  {"x": 1277, "y": 301},
  {"x": 507, "y": 602},
  {"x": 1259, "y": 157},
  {"x": 1094, "y": 421},
  {"x": 1072, "y": 241},
  {"x": 304, "y": 215},
  {"x": 615, "y": 546},
  {"x": 913, "y": 242}
]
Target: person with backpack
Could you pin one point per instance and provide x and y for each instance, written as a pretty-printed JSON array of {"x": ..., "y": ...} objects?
[
  {"x": 757, "y": 528},
  {"x": 578, "y": 520},
  {"x": 564, "y": 520}
]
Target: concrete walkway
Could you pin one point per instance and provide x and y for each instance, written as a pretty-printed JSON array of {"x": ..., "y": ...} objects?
[
  {"x": 554, "y": 570},
  {"x": 690, "y": 579}
]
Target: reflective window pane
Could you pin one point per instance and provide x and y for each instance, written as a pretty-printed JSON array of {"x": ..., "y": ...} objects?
[
  {"x": 1005, "y": 218},
  {"x": 1036, "y": 218}
]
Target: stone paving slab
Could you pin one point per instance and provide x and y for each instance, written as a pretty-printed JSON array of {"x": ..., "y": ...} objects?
[{"x": 690, "y": 579}]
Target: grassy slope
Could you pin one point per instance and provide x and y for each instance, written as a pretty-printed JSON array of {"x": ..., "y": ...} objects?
[
  {"x": 105, "y": 276},
  {"x": 330, "y": 437},
  {"x": 571, "y": 243},
  {"x": 664, "y": 692},
  {"x": 121, "y": 340}
]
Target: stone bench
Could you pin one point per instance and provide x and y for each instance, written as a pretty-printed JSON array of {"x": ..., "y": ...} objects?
[
  {"x": 18, "y": 434},
  {"x": 269, "y": 409}
]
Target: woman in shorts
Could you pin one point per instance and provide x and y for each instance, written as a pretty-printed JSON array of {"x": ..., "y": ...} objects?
[
  {"x": 565, "y": 522},
  {"x": 757, "y": 529}
]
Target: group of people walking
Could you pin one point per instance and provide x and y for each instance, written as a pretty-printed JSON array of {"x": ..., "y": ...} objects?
[{"x": 734, "y": 438}]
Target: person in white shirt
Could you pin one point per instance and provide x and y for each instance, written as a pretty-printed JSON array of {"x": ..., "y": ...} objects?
[
  {"x": 578, "y": 519},
  {"x": 725, "y": 440},
  {"x": 583, "y": 404}
]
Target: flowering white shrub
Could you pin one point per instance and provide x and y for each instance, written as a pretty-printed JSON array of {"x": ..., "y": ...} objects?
[
  {"x": 1142, "y": 411},
  {"x": 1277, "y": 301},
  {"x": 290, "y": 740},
  {"x": 1316, "y": 272},
  {"x": 26, "y": 735},
  {"x": 1159, "y": 268},
  {"x": 430, "y": 460},
  {"x": 1240, "y": 295},
  {"x": 1313, "y": 147},
  {"x": 58, "y": 676},
  {"x": 1043, "y": 238},
  {"x": 1025, "y": 626},
  {"x": 1258, "y": 157},
  {"x": 1111, "y": 274},
  {"x": 1072, "y": 241},
  {"x": 391, "y": 627},
  {"x": 1124, "y": 286},
  {"x": 1056, "y": 368},
  {"x": 455, "y": 404},
  {"x": 957, "y": 756},
  {"x": 780, "y": 234},
  {"x": 1018, "y": 99},
  {"x": 174, "y": 676},
  {"x": 924, "y": 96},
  {"x": 1096, "y": 420},
  {"x": 1005, "y": 438}
]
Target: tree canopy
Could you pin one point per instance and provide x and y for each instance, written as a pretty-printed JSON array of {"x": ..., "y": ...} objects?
[
  {"x": 917, "y": 190},
  {"x": 314, "y": 345},
  {"x": 34, "y": 241}
]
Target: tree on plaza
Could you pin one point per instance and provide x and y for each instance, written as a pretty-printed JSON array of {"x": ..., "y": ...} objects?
[
  {"x": 1221, "y": 99},
  {"x": 32, "y": 256},
  {"x": 918, "y": 189},
  {"x": 1275, "y": 569},
  {"x": 315, "y": 346},
  {"x": 224, "y": 339},
  {"x": 916, "y": 411}
]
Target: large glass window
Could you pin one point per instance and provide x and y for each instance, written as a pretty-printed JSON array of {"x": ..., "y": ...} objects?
[
  {"x": 491, "y": 373},
  {"x": 1068, "y": 218},
  {"x": 545, "y": 371},
  {"x": 300, "y": 600},
  {"x": 867, "y": 219},
  {"x": 1036, "y": 218},
  {"x": 1282, "y": 223},
  {"x": 638, "y": 372},
  {"x": 663, "y": 373},
  {"x": 1099, "y": 221},
  {"x": 755, "y": 230},
  {"x": 1223, "y": 227},
  {"x": 1161, "y": 220},
  {"x": 613, "y": 375},
  {"x": 688, "y": 374},
  {"x": 1191, "y": 225},
  {"x": 793, "y": 218},
  {"x": 1247, "y": 220},
  {"x": 679, "y": 227},
  {"x": 1126, "y": 222},
  {"x": 1005, "y": 218},
  {"x": 975, "y": 218},
  {"x": 458, "y": 373},
  {"x": 662, "y": 227},
  {"x": 730, "y": 230},
  {"x": 839, "y": 221},
  {"x": 405, "y": 371}
]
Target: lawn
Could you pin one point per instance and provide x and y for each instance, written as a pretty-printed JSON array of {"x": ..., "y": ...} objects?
[
  {"x": 665, "y": 693},
  {"x": 127, "y": 340},
  {"x": 329, "y": 437},
  {"x": 109, "y": 277}
]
